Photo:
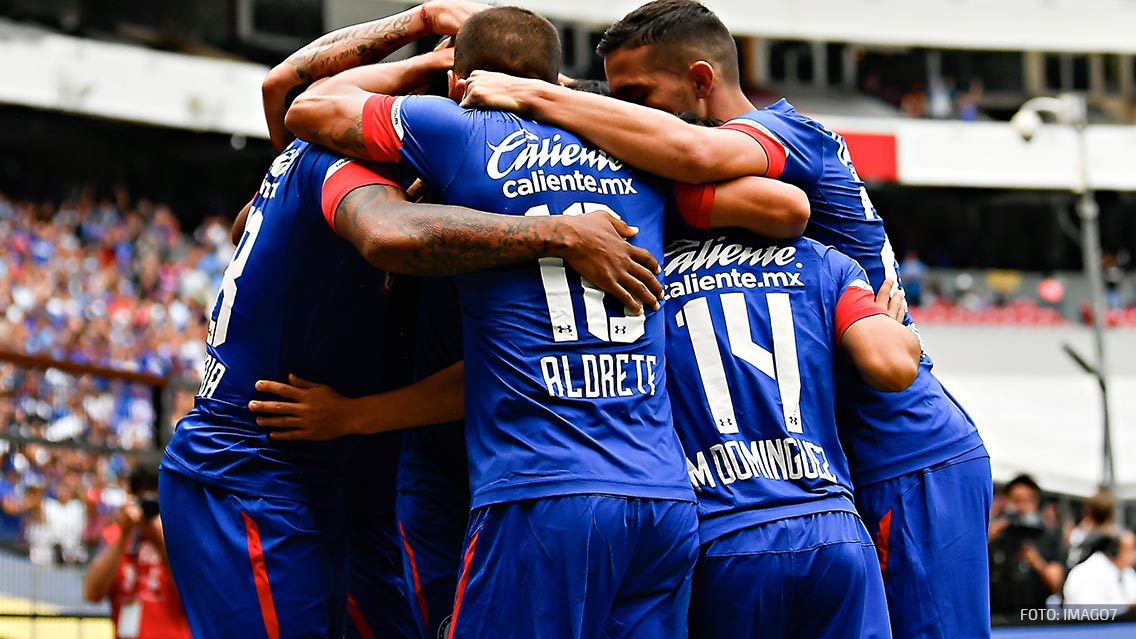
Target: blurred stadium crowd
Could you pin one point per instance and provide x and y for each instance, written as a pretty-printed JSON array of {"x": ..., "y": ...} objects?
[{"x": 107, "y": 282}]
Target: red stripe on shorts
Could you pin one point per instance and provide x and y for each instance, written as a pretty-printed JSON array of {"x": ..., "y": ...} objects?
[
  {"x": 883, "y": 540},
  {"x": 260, "y": 576},
  {"x": 357, "y": 618},
  {"x": 414, "y": 575},
  {"x": 463, "y": 582}
]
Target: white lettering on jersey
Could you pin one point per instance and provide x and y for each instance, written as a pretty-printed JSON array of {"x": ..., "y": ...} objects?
[
  {"x": 537, "y": 152},
  {"x": 540, "y": 182},
  {"x": 693, "y": 255},
  {"x": 214, "y": 371},
  {"x": 781, "y": 459},
  {"x": 686, "y": 257},
  {"x": 599, "y": 375}
]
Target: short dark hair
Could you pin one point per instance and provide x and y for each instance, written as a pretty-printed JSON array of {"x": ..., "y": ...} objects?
[
  {"x": 1101, "y": 507},
  {"x": 143, "y": 478},
  {"x": 690, "y": 118},
  {"x": 508, "y": 40},
  {"x": 598, "y": 87},
  {"x": 1023, "y": 480},
  {"x": 677, "y": 26}
]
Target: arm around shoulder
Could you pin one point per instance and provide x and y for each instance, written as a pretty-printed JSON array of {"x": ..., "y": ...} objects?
[{"x": 884, "y": 351}]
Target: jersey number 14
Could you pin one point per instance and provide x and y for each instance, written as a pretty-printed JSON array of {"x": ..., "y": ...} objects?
[{"x": 780, "y": 365}]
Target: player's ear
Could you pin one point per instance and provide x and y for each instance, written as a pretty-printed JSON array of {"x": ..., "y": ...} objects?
[
  {"x": 456, "y": 86},
  {"x": 701, "y": 76}
]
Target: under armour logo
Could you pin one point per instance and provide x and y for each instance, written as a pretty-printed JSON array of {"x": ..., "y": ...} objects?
[
  {"x": 563, "y": 328},
  {"x": 620, "y": 330}
]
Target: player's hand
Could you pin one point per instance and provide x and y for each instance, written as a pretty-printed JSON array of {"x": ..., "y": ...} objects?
[
  {"x": 493, "y": 91},
  {"x": 445, "y": 17},
  {"x": 1030, "y": 554},
  {"x": 313, "y": 411},
  {"x": 997, "y": 527},
  {"x": 893, "y": 300},
  {"x": 151, "y": 530},
  {"x": 599, "y": 251}
]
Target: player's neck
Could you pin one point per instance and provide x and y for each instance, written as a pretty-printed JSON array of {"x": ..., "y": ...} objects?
[{"x": 727, "y": 104}]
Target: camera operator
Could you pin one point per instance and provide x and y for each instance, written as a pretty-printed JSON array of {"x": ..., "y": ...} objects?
[
  {"x": 1025, "y": 556},
  {"x": 133, "y": 571}
]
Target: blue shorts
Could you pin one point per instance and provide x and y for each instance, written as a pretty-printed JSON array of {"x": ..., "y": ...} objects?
[
  {"x": 812, "y": 577},
  {"x": 432, "y": 528},
  {"x": 577, "y": 566},
  {"x": 254, "y": 567},
  {"x": 378, "y": 601},
  {"x": 930, "y": 530}
]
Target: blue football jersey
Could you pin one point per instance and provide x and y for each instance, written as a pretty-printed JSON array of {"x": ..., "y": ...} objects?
[
  {"x": 752, "y": 335},
  {"x": 565, "y": 392},
  {"x": 295, "y": 298},
  {"x": 885, "y": 434},
  {"x": 434, "y": 457}
]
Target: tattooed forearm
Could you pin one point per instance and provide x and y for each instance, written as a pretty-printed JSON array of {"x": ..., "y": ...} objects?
[
  {"x": 354, "y": 46},
  {"x": 344, "y": 134},
  {"x": 430, "y": 240}
]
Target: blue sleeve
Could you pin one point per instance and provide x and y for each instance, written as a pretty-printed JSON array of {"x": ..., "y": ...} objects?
[
  {"x": 846, "y": 271},
  {"x": 792, "y": 146},
  {"x": 425, "y": 134}
]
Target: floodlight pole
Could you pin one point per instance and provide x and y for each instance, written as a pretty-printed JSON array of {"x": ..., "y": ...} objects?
[
  {"x": 1089, "y": 213},
  {"x": 1070, "y": 109}
]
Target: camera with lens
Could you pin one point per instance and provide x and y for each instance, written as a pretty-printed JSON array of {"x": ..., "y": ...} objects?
[
  {"x": 1022, "y": 527},
  {"x": 149, "y": 506}
]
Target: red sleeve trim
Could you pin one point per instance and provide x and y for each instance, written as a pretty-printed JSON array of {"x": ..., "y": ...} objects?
[
  {"x": 345, "y": 176},
  {"x": 695, "y": 202},
  {"x": 856, "y": 303},
  {"x": 382, "y": 128},
  {"x": 774, "y": 150}
]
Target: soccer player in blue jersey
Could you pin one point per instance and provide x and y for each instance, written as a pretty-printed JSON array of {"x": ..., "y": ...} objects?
[
  {"x": 912, "y": 453},
  {"x": 568, "y": 423},
  {"x": 255, "y": 535},
  {"x": 390, "y": 551},
  {"x": 754, "y": 331}
]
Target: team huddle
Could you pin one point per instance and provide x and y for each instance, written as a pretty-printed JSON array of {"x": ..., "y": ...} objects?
[{"x": 498, "y": 355}]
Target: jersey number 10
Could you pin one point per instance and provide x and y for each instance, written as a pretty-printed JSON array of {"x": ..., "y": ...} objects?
[
  {"x": 780, "y": 365},
  {"x": 558, "y": 295}
]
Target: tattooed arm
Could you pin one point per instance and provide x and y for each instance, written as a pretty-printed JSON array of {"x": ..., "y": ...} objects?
[
  {"x": 331, "y": 113},
  {"x": 425, "y": 239},
  {"x": 351, "y": 47}
]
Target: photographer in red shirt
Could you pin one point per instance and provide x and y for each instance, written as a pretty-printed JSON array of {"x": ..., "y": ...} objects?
[{"x": 133, "y": 571}]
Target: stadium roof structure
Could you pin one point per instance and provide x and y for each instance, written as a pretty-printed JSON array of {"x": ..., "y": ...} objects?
[
  {"x": 47, "y": 70},
  {"x": 1089, "y": 26}
]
